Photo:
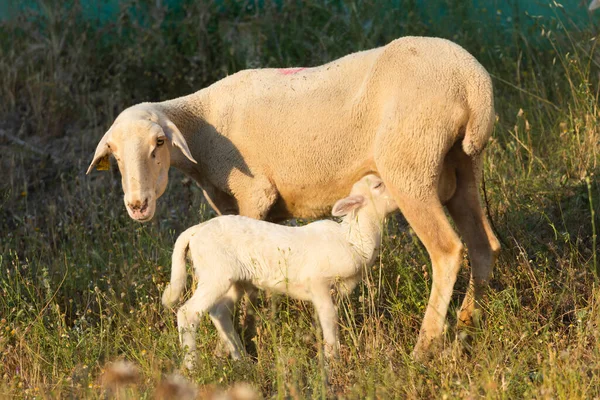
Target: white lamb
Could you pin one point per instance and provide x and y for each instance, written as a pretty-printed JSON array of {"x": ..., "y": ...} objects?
[{"x": 303, "y": 262}]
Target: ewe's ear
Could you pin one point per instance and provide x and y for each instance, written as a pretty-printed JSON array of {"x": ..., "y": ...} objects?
[
  {"x": 346, "y": 205},
  {"x": 100, "y": 160},
  {"x": 177, "y": 138}
]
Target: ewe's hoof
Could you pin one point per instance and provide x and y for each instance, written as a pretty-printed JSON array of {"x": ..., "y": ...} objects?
[
  {"x": 470, "y": 319},
  {"x": 420, "y": 356},
  {"x": 464, "y": 339},
  {"x": 426, "y": 348},
  {"x": 466, "y": 330},
  {"x": 422, "y": 352}
]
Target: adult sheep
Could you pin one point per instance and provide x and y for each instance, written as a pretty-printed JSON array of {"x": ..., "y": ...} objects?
[{"x": 280, "y": 143}]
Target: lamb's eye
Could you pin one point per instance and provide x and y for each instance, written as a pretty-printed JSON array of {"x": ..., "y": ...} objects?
[
  {"x": 380, "y": 184},
  {"x": 160, "y": 141}
]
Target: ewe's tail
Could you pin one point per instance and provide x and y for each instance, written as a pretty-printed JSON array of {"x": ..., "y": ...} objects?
[
  {"x": 178, "y": 272},
  {"x": 480, "y": 98}
]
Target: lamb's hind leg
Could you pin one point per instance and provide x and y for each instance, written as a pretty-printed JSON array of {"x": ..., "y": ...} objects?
[
  {"x": 206, "y": 295},
  {"x": 483, "y": 247},
  {"x": 221, "y": 315}
]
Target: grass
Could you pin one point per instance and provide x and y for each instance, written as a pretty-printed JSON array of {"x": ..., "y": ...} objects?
[{"x": 80, "y": 282}]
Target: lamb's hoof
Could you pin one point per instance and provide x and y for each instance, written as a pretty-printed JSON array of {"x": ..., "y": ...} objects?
[
  {"x": 168, "y": 298},
  {"x": 332, "y": 354},
  {"x": 189, "y": 363},
  {"x": 221, "y": 351}
]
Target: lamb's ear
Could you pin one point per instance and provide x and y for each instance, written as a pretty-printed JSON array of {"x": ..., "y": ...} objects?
[
  {"x": 177, "y": 138},
  {"x": 346, "y": 205},
  {"x": 101, "y": 161}
]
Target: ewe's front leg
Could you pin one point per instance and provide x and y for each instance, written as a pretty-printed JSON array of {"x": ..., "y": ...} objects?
[
  {"x": 221, "y": 202},
  {"x": 255, "y": 195},
  {"x": 468, "y": 215}
]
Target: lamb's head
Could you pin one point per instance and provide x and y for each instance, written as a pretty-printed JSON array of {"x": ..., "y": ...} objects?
[
  {"x": 369, "y": 194},
  {"x": 141, "y": 140}
]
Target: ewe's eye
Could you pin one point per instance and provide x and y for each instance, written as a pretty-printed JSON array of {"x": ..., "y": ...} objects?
[{"x": 160, "y": 141}]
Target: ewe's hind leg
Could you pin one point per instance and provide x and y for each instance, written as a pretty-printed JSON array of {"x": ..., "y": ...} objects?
[
  {"x": 431, "y": 225},
  {"x": 411, "y": 172},
  {"x": 206, "y": 295},
  {"x": 221, "y": 315},
  {"x": 483, "y": 247}
]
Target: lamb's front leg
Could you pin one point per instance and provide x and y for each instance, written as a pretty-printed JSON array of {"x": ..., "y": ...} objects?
[
  {"x": 328, "y": 319},
  {"x": 255, "y": 196}
]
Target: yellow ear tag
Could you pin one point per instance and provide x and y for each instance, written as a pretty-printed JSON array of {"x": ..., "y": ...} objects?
[{"x": 103, "y": 164}]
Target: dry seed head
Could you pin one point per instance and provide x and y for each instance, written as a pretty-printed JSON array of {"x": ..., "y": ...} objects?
[
  {"x": 239, "y": 391},
  {"x": 176, "y": 386},
  {"x": 120, "y": 373}
]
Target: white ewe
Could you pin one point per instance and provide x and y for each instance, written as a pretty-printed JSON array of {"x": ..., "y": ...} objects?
[
  {"x": 281, "y": 143},
  {"x": 303, "y": 262}
]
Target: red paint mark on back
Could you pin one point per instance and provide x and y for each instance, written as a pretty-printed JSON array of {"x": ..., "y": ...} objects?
[{"x": 291, "y": 71}]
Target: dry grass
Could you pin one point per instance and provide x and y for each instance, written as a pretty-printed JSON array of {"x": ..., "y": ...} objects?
[{"x": 80, "y": 283}]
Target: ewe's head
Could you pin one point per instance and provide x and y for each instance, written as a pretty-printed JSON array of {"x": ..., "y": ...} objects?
[
  {"x": 141, "y": 141},
  {"x": 369, "y": 194}
]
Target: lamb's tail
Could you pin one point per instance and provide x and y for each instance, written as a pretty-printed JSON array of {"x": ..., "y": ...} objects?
[
  {"x": 178, "y": 271},
  {"x": 481, "y": 115}
]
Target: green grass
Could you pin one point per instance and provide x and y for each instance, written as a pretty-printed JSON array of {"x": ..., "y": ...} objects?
[{"x": 80, "y": 282}]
